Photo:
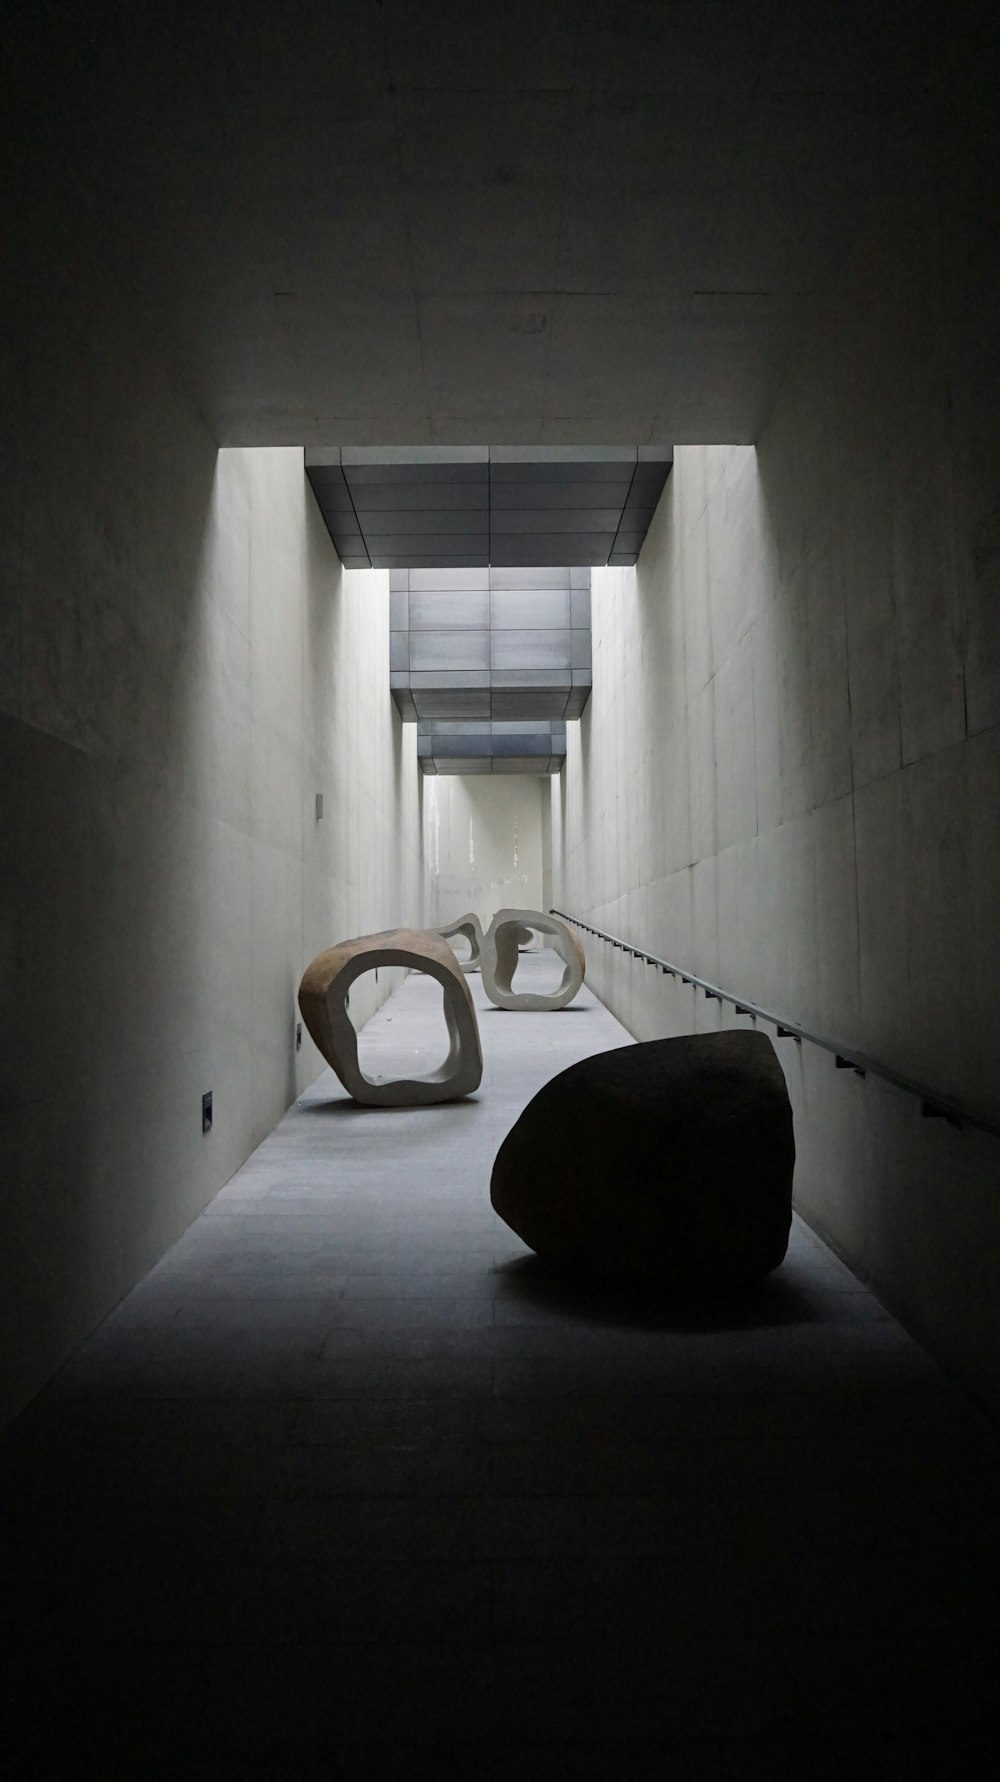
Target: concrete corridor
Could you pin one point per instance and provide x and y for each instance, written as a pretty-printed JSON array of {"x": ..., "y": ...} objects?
[{"x": 352, "y": 1486}]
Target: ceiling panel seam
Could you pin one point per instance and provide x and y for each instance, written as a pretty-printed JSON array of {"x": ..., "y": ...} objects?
[
  {"x": 350, "y": 496},
  {"x": 621, "y": 517}
]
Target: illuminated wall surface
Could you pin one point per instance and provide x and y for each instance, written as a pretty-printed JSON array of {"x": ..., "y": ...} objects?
[{"x": 482, "y": 845}]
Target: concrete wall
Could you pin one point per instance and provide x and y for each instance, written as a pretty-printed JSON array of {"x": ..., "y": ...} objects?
[
  {"x": 482, "y": 843},
  {"x": 788, "y": 777},
  {"x": 183, "y": 666}
]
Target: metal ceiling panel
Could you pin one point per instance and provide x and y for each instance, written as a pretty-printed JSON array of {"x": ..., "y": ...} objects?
[
  {"x": 555, "y": 519},
  {"x": 400, "y": 497},
  {"x": 457, "y": 747},
  {"x": 533, "y": 576},
  {"x": 450, "y": 560},
  {"x": 530, "y": 609},
  {"x": 451, "y": 610},
  {"x": 465, "y": 703},
  {"x": 590, "y": 549},
  {"x": 536, "y": 651},
  {"x": 432, "y": 581},
  {"x": 524, "y": 702},
  {"x": 480, "y": 744},
  {"x": 527, "y": 493},
  {"x": 526, "y": 474},
  {"x": 558, "y": 678},
  {"x": 499, "y": 506},
  {"x": 449, "y": 650},
  {"x": 443, "y": 679},
  {"x": 503, "y": 649},
  {"x": 580, "y": 608},
  {"x": 431, "y": 546},
  {"x": 408, "y": 521}
]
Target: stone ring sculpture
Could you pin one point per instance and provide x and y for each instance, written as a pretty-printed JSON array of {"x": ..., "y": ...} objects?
[
  {"x": 472, "y": 929},
  {"x": 323, "y": 1002},
  {"x": 500, "y": 950}
]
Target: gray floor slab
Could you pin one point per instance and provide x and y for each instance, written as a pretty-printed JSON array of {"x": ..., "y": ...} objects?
[{"x": 353, "y": 1485}]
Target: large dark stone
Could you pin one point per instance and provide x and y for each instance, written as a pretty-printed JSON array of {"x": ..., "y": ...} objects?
[{"x": 665, "y": 1162}]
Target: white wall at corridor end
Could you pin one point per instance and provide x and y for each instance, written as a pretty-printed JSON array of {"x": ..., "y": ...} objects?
[{"x": 482, "y": 843}]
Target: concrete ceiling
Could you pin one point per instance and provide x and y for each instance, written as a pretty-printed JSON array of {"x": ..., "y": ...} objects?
[{"x": 477, "y": 223}]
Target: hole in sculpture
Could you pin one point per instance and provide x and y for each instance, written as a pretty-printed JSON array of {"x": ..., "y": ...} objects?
[
  {"x": 539, "y": 969},
  {"x": 462, "y": 947},
  {"x": 409, "y": 1043}
]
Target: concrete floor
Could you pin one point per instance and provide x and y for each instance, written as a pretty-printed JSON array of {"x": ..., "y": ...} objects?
[{"x": 352, "y": 1486}]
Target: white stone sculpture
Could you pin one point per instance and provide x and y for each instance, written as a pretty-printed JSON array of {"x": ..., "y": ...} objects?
[
  {"x": 323, "y": 1001},
  {"x": 472, "y": 929},
  {"x": 500, "y": 950}
]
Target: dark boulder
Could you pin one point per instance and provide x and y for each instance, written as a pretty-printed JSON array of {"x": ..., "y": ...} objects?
[{"x": 668, "y": 1162}]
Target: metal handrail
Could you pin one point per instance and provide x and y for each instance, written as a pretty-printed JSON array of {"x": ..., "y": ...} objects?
[{"x": 932, "y": 1104}]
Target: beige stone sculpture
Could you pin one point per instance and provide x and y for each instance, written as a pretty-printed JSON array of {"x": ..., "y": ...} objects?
[
  {"x": 323, "y": 1001},
  {"x": 472, "y": 929},
  {"x": 500, "y": 949}
]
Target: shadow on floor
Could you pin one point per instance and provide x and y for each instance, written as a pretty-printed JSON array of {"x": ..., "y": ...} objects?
[
  {"x": 571, "y": 1008},
  {"x": 343, "y": 1107},
  {"x": 762, "y": 1305}
]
